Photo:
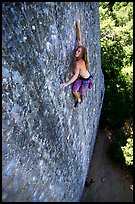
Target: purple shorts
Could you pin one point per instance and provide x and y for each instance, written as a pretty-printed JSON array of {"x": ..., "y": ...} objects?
[{"x": 82, "y": 85}]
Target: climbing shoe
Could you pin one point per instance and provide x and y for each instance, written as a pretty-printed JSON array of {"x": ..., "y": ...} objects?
[
  {"x": 76, "y": 104},
  {"x": 82, "y": 99}
]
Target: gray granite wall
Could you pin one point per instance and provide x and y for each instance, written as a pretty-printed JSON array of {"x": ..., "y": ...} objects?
[{"x": 47, "y": 144}]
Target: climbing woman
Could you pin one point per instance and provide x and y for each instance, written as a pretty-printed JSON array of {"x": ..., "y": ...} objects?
[{"x": 81, "y": 79}]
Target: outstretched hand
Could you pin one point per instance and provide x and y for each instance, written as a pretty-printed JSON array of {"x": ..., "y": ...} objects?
[{"x": 63, "y": 85}]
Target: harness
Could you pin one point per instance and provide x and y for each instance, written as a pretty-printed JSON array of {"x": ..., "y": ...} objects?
[{"x": 88, "y": 83}]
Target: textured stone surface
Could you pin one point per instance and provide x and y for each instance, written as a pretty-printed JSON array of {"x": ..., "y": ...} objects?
[{"x": 47, "y": 144}]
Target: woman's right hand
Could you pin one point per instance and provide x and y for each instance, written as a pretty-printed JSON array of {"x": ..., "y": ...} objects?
[{"x": 63, "y": 85}]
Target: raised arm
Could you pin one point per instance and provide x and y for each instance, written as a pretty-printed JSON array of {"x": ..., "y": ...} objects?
[{"x": 78, "y": 33}]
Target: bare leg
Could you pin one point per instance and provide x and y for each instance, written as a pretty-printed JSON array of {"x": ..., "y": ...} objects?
[
  {"x": 77, "y": 96},
  {"x": 83, "y": 96}
]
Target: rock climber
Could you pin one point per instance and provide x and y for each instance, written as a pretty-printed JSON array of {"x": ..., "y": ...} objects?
[{"x": 82, "y": 80}]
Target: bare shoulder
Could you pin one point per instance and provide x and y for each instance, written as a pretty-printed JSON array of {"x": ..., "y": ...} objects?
[
  {"x": 77, "y": 67},
  {"x": 80, "y": 62},
  {"x": 77, "y": 64}
]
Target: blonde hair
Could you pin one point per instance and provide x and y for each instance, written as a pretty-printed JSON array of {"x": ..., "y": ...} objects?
[{"x": 83, "y": 55}]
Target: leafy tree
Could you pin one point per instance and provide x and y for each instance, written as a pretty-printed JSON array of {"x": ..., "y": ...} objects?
[
  {"x": 117, "y": 57},
  {"x": 116, "y": 27},
  {"x": 128, "y": 151}
]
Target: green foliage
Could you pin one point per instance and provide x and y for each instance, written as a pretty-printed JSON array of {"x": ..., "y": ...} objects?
[
  {"x": 121, "y": 149},
  {"x": 117, "y": 57},
  {"x": 128, "y": 151},
  {"x": 116, "y": 29},
  {"x": 117, "y": 105}
]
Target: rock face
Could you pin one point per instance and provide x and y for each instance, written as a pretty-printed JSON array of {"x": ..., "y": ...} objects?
[{"x": 47, "y": 144}]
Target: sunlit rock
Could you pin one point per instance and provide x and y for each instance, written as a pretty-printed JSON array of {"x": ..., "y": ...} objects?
[{"x": 47, "y": 144}]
